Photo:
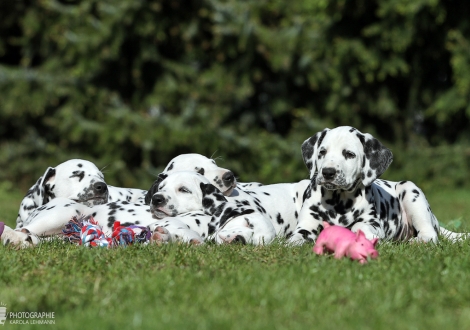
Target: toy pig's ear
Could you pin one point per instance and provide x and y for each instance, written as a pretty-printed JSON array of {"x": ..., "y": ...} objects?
[
  {"x": 326, "y": 225},
  {"x": 374, "y": 241},
  {"x": 359, "y": 235}
]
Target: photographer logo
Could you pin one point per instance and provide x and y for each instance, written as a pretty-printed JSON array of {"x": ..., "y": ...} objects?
[{"x": 3, "y": 313}]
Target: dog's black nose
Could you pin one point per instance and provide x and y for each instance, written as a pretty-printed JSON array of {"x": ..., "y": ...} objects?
[
  {"x": 100, "y": 187},
  {"x": 328, "y": 173},
  {"x": 228, "y": 178},
  {"x": 158, "y": 200}
]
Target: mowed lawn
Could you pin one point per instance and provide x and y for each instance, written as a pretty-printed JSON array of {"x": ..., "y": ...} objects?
[{"x": 410, "y": 286}]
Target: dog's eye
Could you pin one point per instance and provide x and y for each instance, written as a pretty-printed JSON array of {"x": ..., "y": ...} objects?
[
  {"x": 184, "y": 190},
  {"x": 322, "y": 152},
  {"x": 349, "y": 154}
]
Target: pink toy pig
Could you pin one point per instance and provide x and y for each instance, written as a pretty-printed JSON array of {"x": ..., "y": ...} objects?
[
  {"x": 2, "y": 227},
  {"x": 344, "y": 242}
]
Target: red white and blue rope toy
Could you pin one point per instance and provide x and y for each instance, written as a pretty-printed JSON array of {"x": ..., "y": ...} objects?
[{"x": 84, "y": 230}]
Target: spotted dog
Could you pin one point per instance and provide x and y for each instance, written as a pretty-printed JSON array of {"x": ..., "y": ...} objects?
[
  {"x": 75, "y": 179},
  {"x": 182, "y": 195},
  {"x": 222, "y": 178},
  {"x": 179, "y": 192},
  {"x": 344, "y": 165}
]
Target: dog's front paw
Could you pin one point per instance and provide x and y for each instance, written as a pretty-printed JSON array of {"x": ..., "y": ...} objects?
[
  {"x": 17, "y": 238},
  {"x": 160, "y": 235}
]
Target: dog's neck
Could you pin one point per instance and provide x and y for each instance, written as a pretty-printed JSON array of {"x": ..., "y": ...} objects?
[{"x": 357, "y": 190}]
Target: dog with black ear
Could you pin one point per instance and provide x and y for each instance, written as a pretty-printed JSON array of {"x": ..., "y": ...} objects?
[
  {"x": 345, "y": 165},
  {"x": 75, "y": 179},
  {"x": 222, "y": 178}
]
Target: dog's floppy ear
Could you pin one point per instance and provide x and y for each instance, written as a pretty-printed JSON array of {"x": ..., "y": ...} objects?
[
  {"x": 208, "y": 189},
  {"x": 154, "y": 188},
  {"x": 47, "y": 183},
  {"x": 310, "y": 150},
  {"x": 376, "y": 159},
  {"x": 39, "y": 194}
]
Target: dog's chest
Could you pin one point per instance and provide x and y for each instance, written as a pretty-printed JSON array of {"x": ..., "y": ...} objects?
[{"x": 342, "y": 209}]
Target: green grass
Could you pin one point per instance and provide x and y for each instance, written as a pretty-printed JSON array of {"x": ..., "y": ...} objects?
[{"x": 410, "y": 286}]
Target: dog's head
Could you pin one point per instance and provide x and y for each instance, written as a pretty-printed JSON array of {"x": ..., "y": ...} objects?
[
  {"x": 339, "y": 158},
  {"x": 222, "y": 178},
  {"x": 177, "y": 193},
  {"x": 76, "y": 179}
]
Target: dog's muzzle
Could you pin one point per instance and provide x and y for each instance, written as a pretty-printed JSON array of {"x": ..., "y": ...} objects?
[
  {"x": 156, "y": 206},
  {"x": 97, "y": 194}
]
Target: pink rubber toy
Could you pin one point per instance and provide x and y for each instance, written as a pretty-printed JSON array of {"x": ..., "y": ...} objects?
[
  {"x": 2, "y": 227},
  {"x": 344, "y": 242}
]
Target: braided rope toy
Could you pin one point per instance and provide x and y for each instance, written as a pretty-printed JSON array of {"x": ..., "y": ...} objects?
[{"x": 84, "y": 230}]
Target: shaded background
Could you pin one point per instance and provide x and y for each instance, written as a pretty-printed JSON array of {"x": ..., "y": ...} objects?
[{"x": 131, "y": 84}]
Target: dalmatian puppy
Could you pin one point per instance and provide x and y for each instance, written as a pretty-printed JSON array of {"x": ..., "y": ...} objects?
[
  {"x": 222, "y": 178},
  {"x": 75, "y": 179},
  {"x": 344, "y": 165},
  {"x": 181, "y": 195},
  {"x": 179, "y": 192}
]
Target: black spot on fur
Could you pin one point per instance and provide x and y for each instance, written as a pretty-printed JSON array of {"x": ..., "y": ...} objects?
[
  {"x": 207, "y": 202},
  {"x": 111, "y": 221},
  {"x": 79, "y": 174},
  {"x": 305, "y": 234},
  {"x": 239, "y": 239},
  {"x": 113, "y": 206},
  {"x": 386, "y": 184}
]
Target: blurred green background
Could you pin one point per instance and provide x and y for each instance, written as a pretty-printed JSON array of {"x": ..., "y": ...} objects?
[{"x": 131, "y": 84}]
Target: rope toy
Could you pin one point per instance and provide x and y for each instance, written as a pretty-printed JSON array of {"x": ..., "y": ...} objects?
[{"x": 86, "y": 231}]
